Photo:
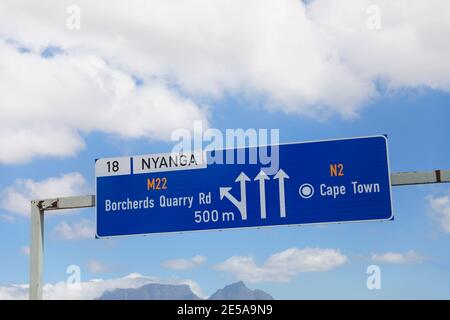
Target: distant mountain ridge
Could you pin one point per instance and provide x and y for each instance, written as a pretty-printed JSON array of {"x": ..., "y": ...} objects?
[
  {"x": 239, "y": 291},
  {"x": 154, "y": 291}
]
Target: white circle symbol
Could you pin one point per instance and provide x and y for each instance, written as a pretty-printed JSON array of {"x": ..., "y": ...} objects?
[{"x": 306, "y": 191}]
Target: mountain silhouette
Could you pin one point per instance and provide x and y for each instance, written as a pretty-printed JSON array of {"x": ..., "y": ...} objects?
[
  {"x": 154, "y": 291},
  {"x": 239, "y": 291}
]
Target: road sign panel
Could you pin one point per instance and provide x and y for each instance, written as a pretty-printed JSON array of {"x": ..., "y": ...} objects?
[{"x": 315, "y": 182}]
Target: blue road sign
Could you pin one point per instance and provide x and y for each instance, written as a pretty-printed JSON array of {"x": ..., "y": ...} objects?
[{"x": 312, "y": 182}]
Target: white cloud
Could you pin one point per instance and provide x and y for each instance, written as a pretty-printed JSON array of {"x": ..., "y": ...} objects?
[
  {"x": 48, "y": 103},
  {"x": 284, "y": 265},
  {"x": 93, "y": 288},
  {"x": 16, "y": 198},
  {"x": 316, "y": 59},
  {"x": 25, "y": 250},
  {"x": 95, "y": 266},
  {"x": 397, "y": 258},
  {"x": 440, "y": 210},
  {"x": 14, "y": 292},
  {"x": 183, "y": 264},
  {"x": 7, "y": 218},
  {"x": 83, "y": 229}
]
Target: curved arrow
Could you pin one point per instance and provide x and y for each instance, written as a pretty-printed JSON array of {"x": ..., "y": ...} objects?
[{"x": 241, "y": 205}]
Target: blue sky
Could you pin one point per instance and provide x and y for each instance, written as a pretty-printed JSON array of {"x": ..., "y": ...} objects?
[
  {"x": 410, "y": 149},
  {"x": 412, "y": 109}
]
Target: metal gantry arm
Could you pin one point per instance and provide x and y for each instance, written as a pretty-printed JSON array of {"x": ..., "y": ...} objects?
[
  {"x": 420, "y": 177},
  {"x": 38, "y": 208}
]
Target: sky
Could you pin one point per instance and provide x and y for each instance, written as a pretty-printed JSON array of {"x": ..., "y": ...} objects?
[{"x": 82, "y": 80}]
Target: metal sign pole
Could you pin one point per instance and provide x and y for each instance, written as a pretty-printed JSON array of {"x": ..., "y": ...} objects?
[
  {"x": 38, "y": 208},
  {"x": 36, "y": 251}
]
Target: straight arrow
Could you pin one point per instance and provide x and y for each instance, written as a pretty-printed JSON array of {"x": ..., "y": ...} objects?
[
  {"x": 281, "y": 176},
  {"x": 262, "y": 177}
]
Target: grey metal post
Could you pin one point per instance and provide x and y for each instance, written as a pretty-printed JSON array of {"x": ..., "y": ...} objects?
[{"x": 36, "y": 251}]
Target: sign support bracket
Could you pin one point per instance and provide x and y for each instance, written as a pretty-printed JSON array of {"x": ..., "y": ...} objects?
[{"x": 38, "y": 208}]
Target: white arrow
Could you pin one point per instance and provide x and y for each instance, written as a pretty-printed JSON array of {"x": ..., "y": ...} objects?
[
  {"x": 241, "y": 205},
  {"x": 281, "y": 175},
  {"x": 262, "y": 177}
]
